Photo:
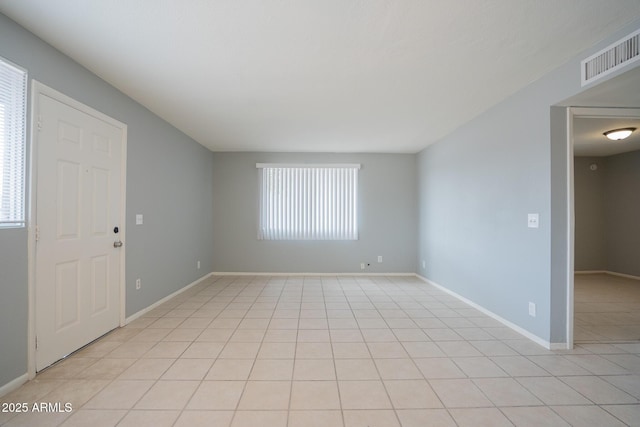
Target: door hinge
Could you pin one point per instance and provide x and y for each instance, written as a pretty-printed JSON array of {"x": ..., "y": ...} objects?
[
  {"x": 37, "y": 233},
  {"x": 36, "y": 342},
  {"x": 39, "y": 123}
]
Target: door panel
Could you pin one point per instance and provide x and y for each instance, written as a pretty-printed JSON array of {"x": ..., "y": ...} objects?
[
  {"x": 99, "y": 284},
  {"x": 78, "y": 204},
  {"x": 68, "y": 206},
  {"x": 100, "y": 202},
  {"x": 66, "y": 292}
]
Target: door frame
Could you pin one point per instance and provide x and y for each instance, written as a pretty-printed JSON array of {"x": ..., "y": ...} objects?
[
  {"x": 38, "y": 89},
  {"x": 573, "y": 113}
]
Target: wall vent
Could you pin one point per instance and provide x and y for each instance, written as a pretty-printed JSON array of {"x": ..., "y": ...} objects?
[{"x": 612, "y": 58}]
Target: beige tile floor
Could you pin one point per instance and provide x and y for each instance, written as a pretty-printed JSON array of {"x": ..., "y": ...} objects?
[
  {"x": 607, "y": 308},
  {"x": 331, "y": 351}
]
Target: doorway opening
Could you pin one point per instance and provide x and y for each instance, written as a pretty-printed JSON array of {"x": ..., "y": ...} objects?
[{"x": 606, "y": 184}]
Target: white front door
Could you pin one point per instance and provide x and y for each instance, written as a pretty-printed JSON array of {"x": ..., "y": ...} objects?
[{"x": 78, "y": 207}]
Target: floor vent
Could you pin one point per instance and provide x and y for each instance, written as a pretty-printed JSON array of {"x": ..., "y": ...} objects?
[{"x": 612, "y": 58}]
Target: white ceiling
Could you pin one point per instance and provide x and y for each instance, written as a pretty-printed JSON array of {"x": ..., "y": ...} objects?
[
  {"x": 589, "y": 139},
  {"x": 320, "y": 75}
]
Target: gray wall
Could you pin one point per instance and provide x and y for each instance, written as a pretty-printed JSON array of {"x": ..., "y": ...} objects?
[
  {"x": 166, "y": 172},
  {"x": 589, "y": 193},
  {"x": 387, "y": 218},
  {"x": 561, "y": 265},
  {"x": 607, "y": 208},
  {"x": 475, "y": 189},
  {"x": 13, "y": 304},
  {"x": 622, "y": 199}
]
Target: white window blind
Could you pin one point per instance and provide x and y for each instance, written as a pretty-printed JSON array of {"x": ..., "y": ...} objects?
[
  {"x": 13, "y": 91},
  {"x": 308, "y": 202}
]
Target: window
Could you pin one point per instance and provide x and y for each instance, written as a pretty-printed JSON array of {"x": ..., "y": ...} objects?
[
  {"x": 308, "y": 202},
  {"x": 13, "y": 90}
]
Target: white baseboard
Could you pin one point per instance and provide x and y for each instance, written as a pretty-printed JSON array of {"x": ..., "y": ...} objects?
[
  {"x": 165, "y": 299},
  {"x": 546, "y": 344},
  {"x": 244, "y": 273},
  {"x": 611, "y": 273},
  {"x": 627, "y": 276},
  {"x": 559, "y": 346},
  {"x": 13, "y": 385}
]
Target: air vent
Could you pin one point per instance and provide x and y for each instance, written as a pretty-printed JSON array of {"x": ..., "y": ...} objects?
[{"x": 612, "y": 58}]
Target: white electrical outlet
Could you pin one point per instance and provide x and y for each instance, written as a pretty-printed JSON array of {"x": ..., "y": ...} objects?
[
  {"x": 362, "y": 266},
  {"x": 139, "y": 219},
  {"x": 532, "y": 309},
  {"x": 379, "y": 258},
  {"x": 424, "y": 264},
  {"x": 198, "y": 265},
  {"x": 138, "y": 284},
  {"x": 533, "y": 220}
]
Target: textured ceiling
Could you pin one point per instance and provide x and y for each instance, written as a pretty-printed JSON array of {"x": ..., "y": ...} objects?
[{"x": 320, "y": 75}]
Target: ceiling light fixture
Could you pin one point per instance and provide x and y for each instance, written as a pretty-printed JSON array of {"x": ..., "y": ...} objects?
[{"x": 619, "y": 134}]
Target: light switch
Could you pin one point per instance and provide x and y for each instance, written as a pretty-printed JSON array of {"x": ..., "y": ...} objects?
[
  {"x": 139, "y": 219},
  {"x": 533, "y": 220}
]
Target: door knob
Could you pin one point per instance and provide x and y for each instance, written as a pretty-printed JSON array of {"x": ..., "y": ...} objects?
[{"x": 117, "y": 243}]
